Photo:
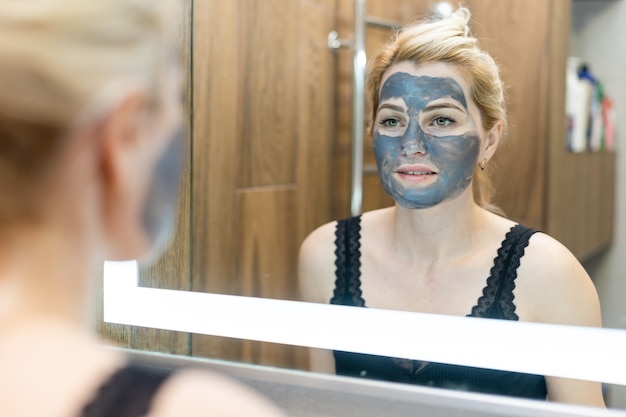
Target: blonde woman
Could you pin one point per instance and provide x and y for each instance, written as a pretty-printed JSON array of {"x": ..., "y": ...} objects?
[
  {"x": 89, "y": 117},
  {"x": 437, "y": 119}
]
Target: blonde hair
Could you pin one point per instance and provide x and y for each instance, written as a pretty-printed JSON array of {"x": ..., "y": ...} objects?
[
  {"x": 446, "y": 40},
  {"x": 56, "y": 57}
]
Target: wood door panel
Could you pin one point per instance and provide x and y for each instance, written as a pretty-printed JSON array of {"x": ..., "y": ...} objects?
[
  {"x": 266, "y": 220},
  {"x": 399, "y": 11},
  {"x": 216, "y": 92},
  {"x": 263, "y": 143},
  {"x": 600, "y": 203},
  {"x": 374, "y": 196},
  {"x": 523, "y": 60},
  {"x": 566, "y": 214},
  {"x": 607, "y": 202},
  {"x": 266, "y": 268},
  {"x": 269, "y": 109},
  {"x": 316, "y": 177},
  {"x": 266, "y": 224}
]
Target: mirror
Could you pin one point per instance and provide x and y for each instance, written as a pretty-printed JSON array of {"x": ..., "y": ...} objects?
[{"x": 270, "y": 135}]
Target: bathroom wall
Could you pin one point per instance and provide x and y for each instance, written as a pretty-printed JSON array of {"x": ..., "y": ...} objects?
[{"x": 599, "y": 37}]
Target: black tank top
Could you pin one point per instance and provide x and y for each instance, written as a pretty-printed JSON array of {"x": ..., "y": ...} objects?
[
  {"x": 127, "y": 393},
  {"x": 496, "y": 302}
]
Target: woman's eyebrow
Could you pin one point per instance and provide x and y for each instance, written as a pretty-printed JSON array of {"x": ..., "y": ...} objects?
[
  {"x": 392, "y": 107},
  {"x": 434, "y": 107}
]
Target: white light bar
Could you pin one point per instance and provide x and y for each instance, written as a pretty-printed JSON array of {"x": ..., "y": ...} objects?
[{"x": 565, "y": 351}]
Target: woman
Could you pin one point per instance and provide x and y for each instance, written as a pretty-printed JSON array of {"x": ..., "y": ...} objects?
[
  {"x": 437, "y": 119},
  {"x": 88, "y": 107}
]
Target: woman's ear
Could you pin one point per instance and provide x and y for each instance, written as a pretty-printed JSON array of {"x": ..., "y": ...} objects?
[
  {"x": 492, "y": 140},
  {"x": 123, "y": 176}
]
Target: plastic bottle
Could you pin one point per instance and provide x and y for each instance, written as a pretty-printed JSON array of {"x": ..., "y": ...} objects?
[{"x": 576, "y": 107}]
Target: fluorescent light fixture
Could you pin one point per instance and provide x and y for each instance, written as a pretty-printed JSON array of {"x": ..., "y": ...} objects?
[{"x": 565, "y": 351}]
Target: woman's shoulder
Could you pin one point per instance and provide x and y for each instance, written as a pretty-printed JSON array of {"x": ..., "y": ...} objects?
[
  {"x": 322, "y": 235},
  {"x": 316, "y": 270},
  {"x": 316, "y": 265},
  {"x": 555, "y": 284},
  {"x": 200, "y": 393},
  {"x": 321, "y": 241},
  {"x": 546, "y": 256},
  {"x": 325, "y": 234}
]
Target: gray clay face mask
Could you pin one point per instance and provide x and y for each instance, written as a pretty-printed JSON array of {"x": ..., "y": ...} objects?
[
  {"x": 159, "y": 213},
  {"x": 415, "y": 132}
]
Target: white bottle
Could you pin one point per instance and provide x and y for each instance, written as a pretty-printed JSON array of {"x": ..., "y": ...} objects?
[{"x": 577, "y": 96}]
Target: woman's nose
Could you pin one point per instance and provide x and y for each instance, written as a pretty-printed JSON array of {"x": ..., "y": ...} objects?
[{"x": 413, "y": 140}]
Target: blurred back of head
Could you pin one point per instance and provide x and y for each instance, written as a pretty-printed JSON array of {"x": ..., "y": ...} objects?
[{"x": 60, "y": 61}]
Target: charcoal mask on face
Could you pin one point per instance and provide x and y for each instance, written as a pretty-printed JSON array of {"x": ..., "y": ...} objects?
[
  {"x": 159, "y": 212},
  {"x": 454, "y": 157}
]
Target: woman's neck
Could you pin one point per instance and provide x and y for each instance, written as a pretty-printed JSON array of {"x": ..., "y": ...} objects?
[
  {"x": 439, "y": 233},
  {"x": 44, "y": 274}
]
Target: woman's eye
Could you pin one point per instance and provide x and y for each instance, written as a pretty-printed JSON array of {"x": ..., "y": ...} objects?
[
  {"x": 442, "y": 121},
  {"x": 390, "y": 122}
]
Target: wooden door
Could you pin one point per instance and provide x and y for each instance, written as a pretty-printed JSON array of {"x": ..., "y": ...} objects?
[{"x": 263, "y": 129}]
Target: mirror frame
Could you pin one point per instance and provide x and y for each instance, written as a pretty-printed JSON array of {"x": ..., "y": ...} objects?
[{"x": 598, "y": 354}]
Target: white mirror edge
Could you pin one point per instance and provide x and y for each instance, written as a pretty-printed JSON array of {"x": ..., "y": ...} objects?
[{"x": 565, "y": 351}]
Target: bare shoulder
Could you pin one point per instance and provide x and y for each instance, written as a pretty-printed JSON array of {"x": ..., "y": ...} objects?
[
  {"x": 553, "y": 285},
  {"x": 316, "y": 264},
  {"x": 196, "y": 393},
  {"x": 319, "y": 241},
  {"x": 559, "y": 290},
  {"x": 316, "y": 267}
]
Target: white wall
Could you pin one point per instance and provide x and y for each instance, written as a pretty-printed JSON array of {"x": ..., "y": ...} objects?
[{"x": 599, "y": 37}]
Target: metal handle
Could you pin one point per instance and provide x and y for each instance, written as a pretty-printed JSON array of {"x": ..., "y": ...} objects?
[
  {"x": 358, "y": 96},
  {"x": 334, "y": 42},
  {"x": 358, "y": 107}
]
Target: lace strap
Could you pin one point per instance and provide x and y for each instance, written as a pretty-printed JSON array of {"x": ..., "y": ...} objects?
[
  {"x": 348, "y": 263},
  {"x": 127, "y": 393},
  {"x": 497, "y": 300}
]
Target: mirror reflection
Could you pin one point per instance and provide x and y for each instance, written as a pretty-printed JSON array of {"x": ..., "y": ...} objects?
[
  {"x": 437, "y": 120},
  {"x": 270, "y": 159}
]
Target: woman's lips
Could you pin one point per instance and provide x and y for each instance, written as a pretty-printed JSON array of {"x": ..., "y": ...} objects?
[{"x": 416, "y": 173}]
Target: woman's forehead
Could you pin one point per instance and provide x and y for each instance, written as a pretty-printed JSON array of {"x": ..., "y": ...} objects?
[
  {"x": 417, "y": 91},
  {"x": 434, "y": 70}
]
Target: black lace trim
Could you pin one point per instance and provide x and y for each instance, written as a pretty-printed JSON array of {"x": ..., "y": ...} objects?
[
  {"x": 497, "y": 299},
  {"x": 348, "y": 263},
  {"x": 127, "y": 393}
]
